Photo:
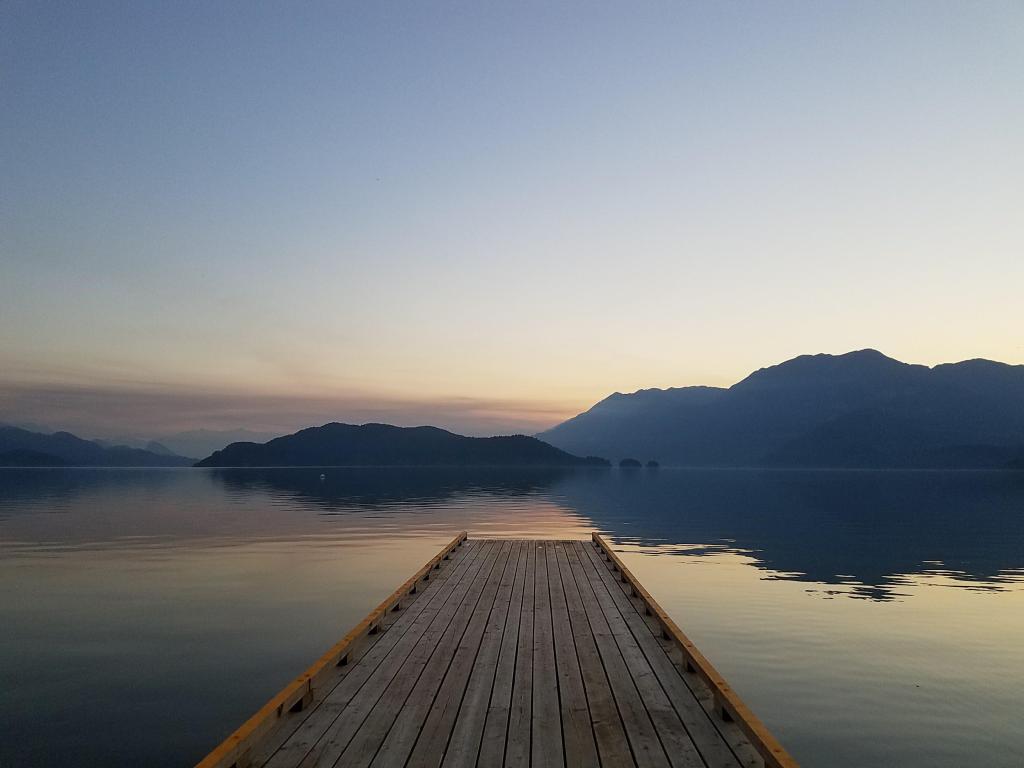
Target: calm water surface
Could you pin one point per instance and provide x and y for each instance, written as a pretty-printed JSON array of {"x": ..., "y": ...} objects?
[{"x": 870, "y": 618}]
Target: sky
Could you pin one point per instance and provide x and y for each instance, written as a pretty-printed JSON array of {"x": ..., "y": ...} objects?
[{"x": 489, "y": 216}]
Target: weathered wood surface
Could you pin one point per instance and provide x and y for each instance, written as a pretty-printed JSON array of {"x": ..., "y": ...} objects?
[
  {"x": 509, "y": 653},
  {"x": 743, "y": 730}
]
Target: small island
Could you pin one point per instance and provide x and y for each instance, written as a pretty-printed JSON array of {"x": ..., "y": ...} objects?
[
  {"x": 652, "y": 464},
  {"x": 630, "y": 464},
  {"x": 384, "y": 445}
]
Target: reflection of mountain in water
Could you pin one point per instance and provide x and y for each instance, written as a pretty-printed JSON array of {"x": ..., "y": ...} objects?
[
  {"x": 378, "y": 488},
  {"x": 871, "y": 530},
  {"x": 868, "y": 528},
  {"x": 29, "y": 491}
]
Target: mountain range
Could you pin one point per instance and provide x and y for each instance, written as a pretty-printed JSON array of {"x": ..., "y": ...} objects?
[
  {"x": 385, "y": 445},
  {"x": 203, "y": 442},
  {"x": 860, "y": 409},
  {"x": 856, "y": 410},
  {"x": 195, "y": 442},
  {"x": 21, "y": 448}
]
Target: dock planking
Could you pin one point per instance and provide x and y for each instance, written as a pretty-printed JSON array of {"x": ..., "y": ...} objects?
[{"x": 509, "y": 653}]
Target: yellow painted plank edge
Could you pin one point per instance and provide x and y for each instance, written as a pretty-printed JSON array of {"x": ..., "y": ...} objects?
[
  {"x": 727, "y": 700},
  {"x": 295, "y": 693}
]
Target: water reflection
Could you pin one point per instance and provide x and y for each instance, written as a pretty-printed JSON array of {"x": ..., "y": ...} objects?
[
  {"x": 340, "y": 490},
  {"x": 869, "y": 530},
  {"x": 148, "y": 597},
  {"x": 46, "y": 490},
  {"x": 862, "y": 533}
]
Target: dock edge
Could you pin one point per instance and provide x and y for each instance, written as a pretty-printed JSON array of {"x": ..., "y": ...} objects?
[
  {"x": 299, "y": 692},
  {"x": 728, "y": 704}
]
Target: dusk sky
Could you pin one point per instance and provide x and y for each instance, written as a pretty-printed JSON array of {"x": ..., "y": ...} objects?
[{"x": 488, "y": 217}]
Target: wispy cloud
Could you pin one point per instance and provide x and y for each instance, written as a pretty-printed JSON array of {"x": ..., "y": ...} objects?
[{"x": 97, "y": 410}]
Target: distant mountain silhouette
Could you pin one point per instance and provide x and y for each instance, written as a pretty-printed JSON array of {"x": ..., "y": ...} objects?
[
  {"x": 385, "y": 445},
  {"x": 159, "y": 448},
  {"x": 861, "y": 409},
  {"x": 196, "y": 442},
  {"x": 29, "y": 426},
  {"x": 203, "y": 442},
  {"x": 135, "y": 442},
  {"x": 21, "y": 457},
  {"x": 67, "y": 449}
]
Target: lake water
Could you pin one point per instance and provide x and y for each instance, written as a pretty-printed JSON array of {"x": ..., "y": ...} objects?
[{"x": 869, "y": 618}]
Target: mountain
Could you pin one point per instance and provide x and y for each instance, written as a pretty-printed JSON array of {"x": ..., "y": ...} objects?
[
  {"x": 196, "y": 442},
  {"x": 159, "y": 448},
  {"x": 29, "y": 426},
  {"x": 860, "y": 409},
  {"x": 132, "y": 442},
  {"x": 203, "y": 442},
  {"x": 67, "y": 449},
  {"x": 21, "y": 457},
  {"x": 385, "y": 445}
]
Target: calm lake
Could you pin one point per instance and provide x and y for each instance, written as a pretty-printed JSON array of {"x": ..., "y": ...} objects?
[{"x": 869, "y": 618}]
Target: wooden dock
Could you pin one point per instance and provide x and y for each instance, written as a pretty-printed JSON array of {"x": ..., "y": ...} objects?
[{"x": 509, "y": 653}]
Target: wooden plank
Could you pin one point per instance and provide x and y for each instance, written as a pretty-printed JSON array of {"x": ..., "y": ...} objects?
[
  {"x": 546, "y": 731},
  {"x": 612, "y": 744},
  {"x": 336, "y": 740},
  {"x": 722, "y": 734},
  {"x": 406, "y": 632},
  {"x": 728, "y": 731},
  {"x": 464, "y": 746},
  {"x": 705, "y": 732},
  {"x": 520, "y": 723},
  {"x": 430, "y": 659},
  {"x": 732, "y": 734},
  {"x": 681, "y": 751},
  {"x": 515, "y": 653},
  {"x": 577, "y": 730},
  {"x": 392, "y": 627},
  {"x": 425, "y": 722},
  {"x": 492, "y": 744},
  {"x": 661, "y": 685},
  {"x": 643, "y": 737},
  {"x": 236, "y": 746},
  {"x": 728, "y": 701}
]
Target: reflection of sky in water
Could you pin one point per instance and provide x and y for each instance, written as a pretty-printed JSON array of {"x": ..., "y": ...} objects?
[{"x": 870, "y": 618}]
